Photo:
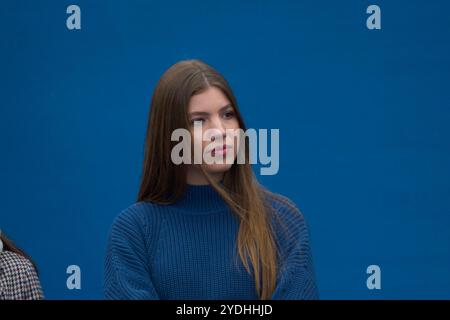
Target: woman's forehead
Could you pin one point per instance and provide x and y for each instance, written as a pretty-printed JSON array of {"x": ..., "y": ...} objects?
[{"x": 211, "y": 100}]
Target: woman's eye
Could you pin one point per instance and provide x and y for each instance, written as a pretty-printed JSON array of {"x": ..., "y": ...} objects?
[{"x": 229, "y": 115}]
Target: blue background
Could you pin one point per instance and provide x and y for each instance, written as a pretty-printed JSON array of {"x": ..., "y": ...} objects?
[{"x": 363, "y": 118}]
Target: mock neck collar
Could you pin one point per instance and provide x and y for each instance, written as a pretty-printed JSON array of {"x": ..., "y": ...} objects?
[{"x": 200, "y": 199}]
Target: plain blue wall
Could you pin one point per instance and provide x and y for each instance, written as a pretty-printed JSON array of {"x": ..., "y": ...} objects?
[{"x": 363, "y": 117}]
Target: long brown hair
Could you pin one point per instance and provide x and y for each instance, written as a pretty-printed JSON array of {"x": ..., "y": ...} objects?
[{"x": 164, "y": 182}]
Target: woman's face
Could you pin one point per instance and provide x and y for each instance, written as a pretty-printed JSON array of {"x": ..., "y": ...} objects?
[{"x": 213, "y": 110}]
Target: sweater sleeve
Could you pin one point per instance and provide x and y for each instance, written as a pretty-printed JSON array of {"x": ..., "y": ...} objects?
[
  {"x": 296, "y": 280},
  {"x": 127, "y": 273}
]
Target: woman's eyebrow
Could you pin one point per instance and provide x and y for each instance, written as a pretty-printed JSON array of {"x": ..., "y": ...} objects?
[{"x": 204, "y": 113}]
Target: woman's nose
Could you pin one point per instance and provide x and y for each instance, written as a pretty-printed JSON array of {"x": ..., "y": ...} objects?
[{"x": 219, "y": 129}]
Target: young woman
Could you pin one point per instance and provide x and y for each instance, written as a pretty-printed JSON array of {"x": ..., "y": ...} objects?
[
  {"x": 18, "y": 276},
  {"x": 204, "y": 231}
]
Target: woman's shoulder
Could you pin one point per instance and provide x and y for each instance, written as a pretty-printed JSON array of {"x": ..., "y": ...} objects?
[
  {"x": 18, "y": 277},
  {"x": 287, "y": 214},
  {"x": 138, "y": 217},
  {"x": 283, "y": 205},
  {"x": 137, "y": 212},
  {"x": 280, "y": 201},
  {"x": 10, "y": 261}
]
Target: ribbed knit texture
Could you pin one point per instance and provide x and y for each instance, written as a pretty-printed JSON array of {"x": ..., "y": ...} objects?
[{"x": 188, "y": 250}]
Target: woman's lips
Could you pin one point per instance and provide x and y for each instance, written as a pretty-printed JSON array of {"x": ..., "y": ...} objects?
[{"x": 220, "y": 150}]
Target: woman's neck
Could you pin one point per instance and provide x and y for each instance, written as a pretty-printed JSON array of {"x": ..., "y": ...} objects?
[{"x": 195, "y": 176}]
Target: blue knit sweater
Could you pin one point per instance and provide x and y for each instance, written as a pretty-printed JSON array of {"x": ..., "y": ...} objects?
[{"x": 187, "y": 250}]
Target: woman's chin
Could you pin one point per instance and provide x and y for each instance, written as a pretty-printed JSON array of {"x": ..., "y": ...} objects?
[{"x": 217, "y": 168}]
